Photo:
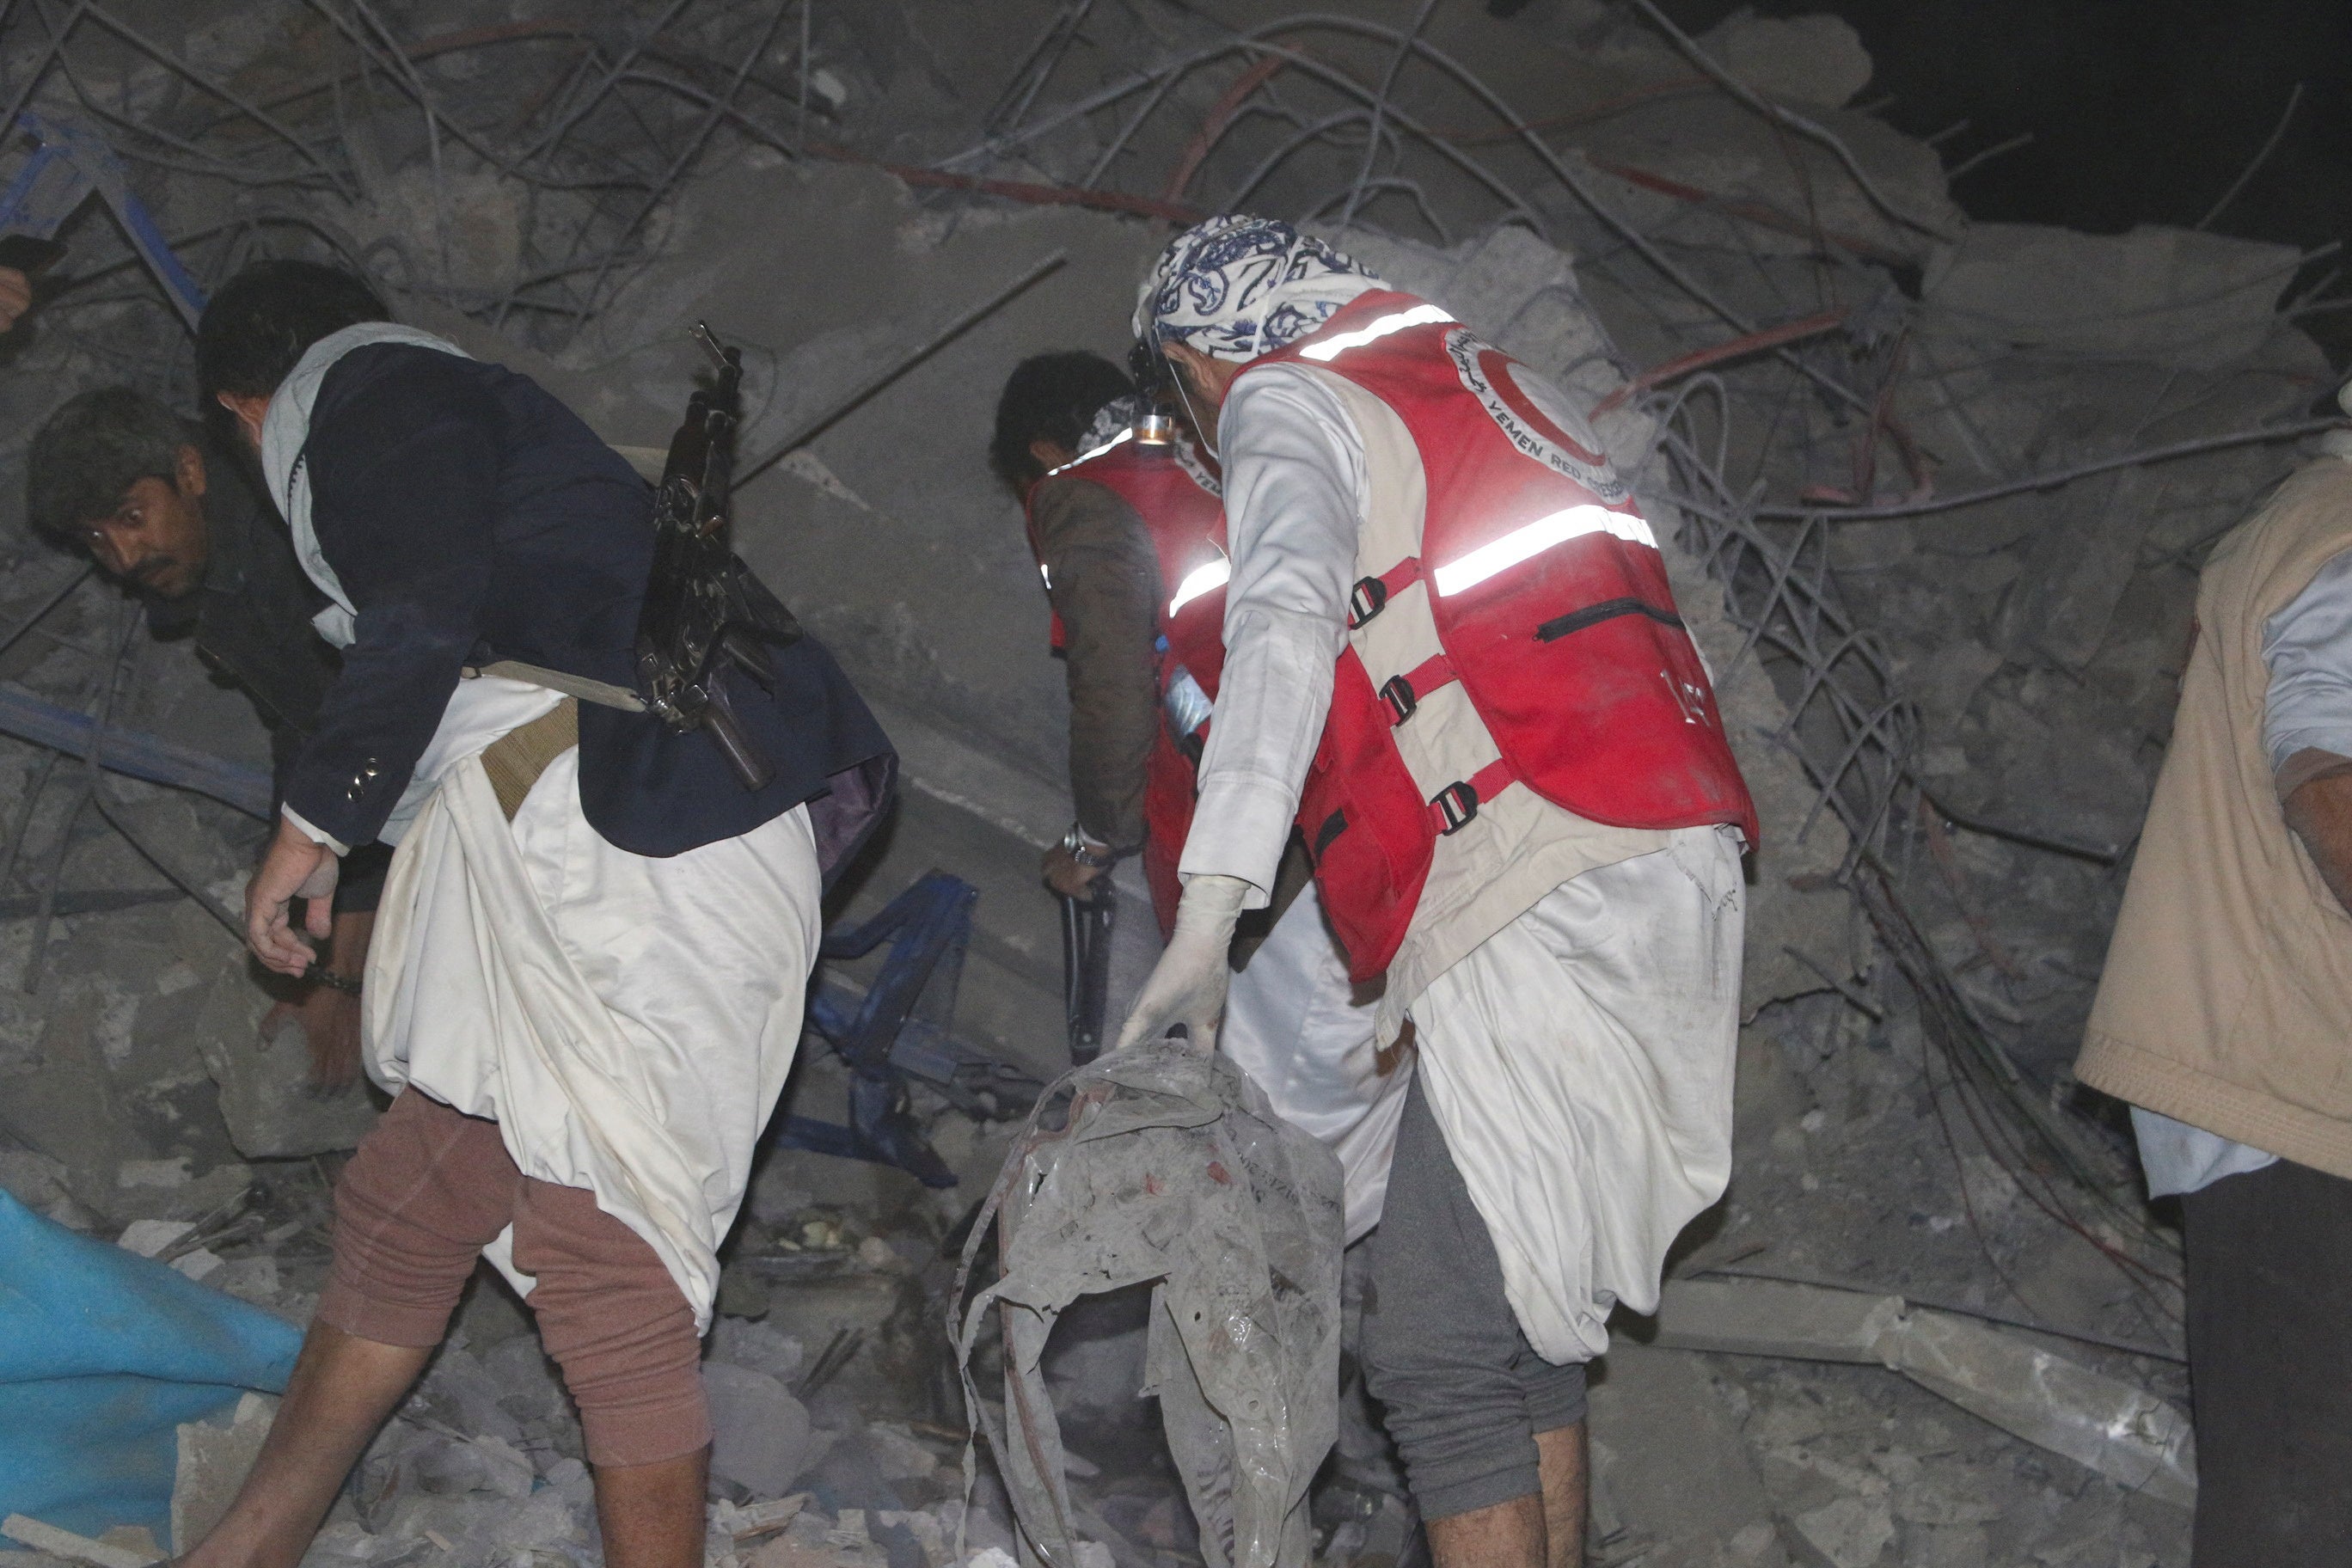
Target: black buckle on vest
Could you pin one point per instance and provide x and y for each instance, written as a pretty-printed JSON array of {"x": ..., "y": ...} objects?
[
  {"x": 1398, "y": 694},
  {"x": 1333, "y": 826},
  {"x": 1367, "y": 599},
  {"x": 1457, "y": 803}
]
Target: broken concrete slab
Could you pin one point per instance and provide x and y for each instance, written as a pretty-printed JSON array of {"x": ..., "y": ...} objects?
[
  {"x": 1656, "y": 1422},
  {"x": 2173, "y": 295},
  {"x": 1817, "y": 59},
  {"x": 72, "y": 1548},
  {"x": 2105, "y": 1425}
]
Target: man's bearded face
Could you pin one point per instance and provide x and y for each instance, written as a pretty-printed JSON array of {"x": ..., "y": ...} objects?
[{"x": 154, "y": 538}]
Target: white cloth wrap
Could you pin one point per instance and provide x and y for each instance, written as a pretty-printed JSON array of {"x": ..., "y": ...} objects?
[
  {"x": 628, "y": 1022},
  {"x": 1293, "y": 1024},
  {"x": 1235, "y": 287},
  {"x": 1580, "y": 1064},
  {"x": 285, "y": 430}
]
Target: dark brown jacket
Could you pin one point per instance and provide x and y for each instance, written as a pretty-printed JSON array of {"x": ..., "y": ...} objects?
[{"x": 1104, "y": 582}]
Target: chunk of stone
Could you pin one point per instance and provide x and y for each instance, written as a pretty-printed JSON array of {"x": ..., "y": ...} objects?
[
  {"x": 201, "y": 1264},
  {"x": 212, "y": 1464},
  {"x": 149, "y": 1236},
  {"x": 265, "y": 1091},
  {"x": 1810, "y": 59},
  {"x": 758, "y": 1348},
  {"x": 760, "y": 1433},
  {"x": 1851, "y": 1532}
]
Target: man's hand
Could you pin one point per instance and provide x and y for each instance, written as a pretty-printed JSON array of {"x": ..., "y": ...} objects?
[
  {"x": 1069, "y": 875},
  {"x": 1188, "y": 984},
  {"x": 330, "y": 1028},
  {"x": 293, "y": 868},
  {"x": 16, "y": 296}
]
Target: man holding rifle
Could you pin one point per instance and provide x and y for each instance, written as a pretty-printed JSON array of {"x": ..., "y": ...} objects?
[{"x": 587, "y": 976}]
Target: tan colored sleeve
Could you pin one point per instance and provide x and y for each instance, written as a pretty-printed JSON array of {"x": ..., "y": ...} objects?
[{"x": 1105, "y": 584}]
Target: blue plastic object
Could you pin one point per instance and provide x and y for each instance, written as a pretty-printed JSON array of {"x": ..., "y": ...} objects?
[
  {"x": 102, "y": 1354},
  {"x": 134, "y": 753},
  {"x": 899, "y": 1029},
  {"x": 72, "y": 164}
]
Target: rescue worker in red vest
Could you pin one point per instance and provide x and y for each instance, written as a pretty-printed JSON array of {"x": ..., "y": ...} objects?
[
  {"x": 1128, "y": 533},
  {"x": 1101, "y": 576},
  {"x": 1524, "y": 815}
]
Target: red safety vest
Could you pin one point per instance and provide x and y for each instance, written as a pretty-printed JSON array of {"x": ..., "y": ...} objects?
[
  {"x": 1187, "y": 525},
  {"x": 1551, "y": 607}
]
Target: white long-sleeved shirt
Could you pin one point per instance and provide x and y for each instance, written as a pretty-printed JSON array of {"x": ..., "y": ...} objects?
[
  {"x": 1294, "y": 486},
  {"x": 2307, "y": 647},
  {"x": 2306, "y": 708}
]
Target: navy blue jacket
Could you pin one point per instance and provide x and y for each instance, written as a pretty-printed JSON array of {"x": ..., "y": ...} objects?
[{"x": 472, "y": 517}]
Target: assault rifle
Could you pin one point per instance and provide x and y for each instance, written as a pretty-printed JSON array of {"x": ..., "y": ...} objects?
[{"x": 705, "y": 616}]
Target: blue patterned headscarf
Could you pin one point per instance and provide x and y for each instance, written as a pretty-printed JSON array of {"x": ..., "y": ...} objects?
[{"x": 1235, "y": 288}]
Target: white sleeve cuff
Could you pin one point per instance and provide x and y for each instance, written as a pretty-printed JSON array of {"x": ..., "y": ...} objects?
[
  {"x": 1252, "y": 815},
  {"x": 314, "y": 835}
]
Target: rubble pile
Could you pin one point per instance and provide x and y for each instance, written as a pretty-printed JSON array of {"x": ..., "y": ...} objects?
[{"x": 1937, "y": 492}]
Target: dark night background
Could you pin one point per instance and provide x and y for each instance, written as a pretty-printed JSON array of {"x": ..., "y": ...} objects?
[{"x": 2141, "y": 110}]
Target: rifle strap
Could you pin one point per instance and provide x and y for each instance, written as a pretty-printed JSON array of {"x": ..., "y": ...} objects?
[{"x": 602, "y": 693}]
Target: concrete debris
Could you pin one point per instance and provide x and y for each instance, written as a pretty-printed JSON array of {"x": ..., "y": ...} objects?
[
  {"x": 213, "y": 1460},
  {"x": 271, "y": 1111},
  {"x": 761, "y": 1433},
  {"x": 149, "y": 1237},
  {"x": 72, "y": 1548},
  {"x": 1650, "y": 1402},
  {"x": 2173, "y": 296},
  {"x": 2130, "y": 1436},
  {"x": 1815, "y": 59}
]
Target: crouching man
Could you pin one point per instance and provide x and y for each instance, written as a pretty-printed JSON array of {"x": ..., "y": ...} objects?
[
  {"x": 172, "y": 516},
  {"x": 586, "y": 981},
  {"x": 1523, "y": 812}
]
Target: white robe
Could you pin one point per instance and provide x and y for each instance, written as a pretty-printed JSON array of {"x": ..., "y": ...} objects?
[
  {"x": 1294, "y": 1025},
  {"x": 627, "y": 1021}
]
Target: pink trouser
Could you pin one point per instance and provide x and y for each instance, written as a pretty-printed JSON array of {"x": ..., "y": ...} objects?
[{"x": 429, "y": 1188}]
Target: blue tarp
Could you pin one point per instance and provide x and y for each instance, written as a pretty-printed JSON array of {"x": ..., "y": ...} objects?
[{"x": 102, "y": 1353}]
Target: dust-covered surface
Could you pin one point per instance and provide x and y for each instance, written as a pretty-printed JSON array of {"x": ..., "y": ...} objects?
[{"x": 1939, "y": 540}]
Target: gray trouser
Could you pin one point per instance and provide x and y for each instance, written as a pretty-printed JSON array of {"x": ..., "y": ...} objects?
[{"x": 1466, "y": 1394}]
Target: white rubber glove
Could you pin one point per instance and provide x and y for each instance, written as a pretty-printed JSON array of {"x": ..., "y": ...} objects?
[{"x": 1188, "y": 984}]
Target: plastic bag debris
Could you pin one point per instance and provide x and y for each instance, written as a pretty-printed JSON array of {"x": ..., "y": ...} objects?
[{"x": 1161, "y": 1164}]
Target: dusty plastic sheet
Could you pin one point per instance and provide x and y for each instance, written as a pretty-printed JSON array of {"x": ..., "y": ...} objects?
[
  {"x": 1159, "y": 1165},
  {"x": 102, "y": 1354},
  {"x": 2125, "y": 1433}
]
